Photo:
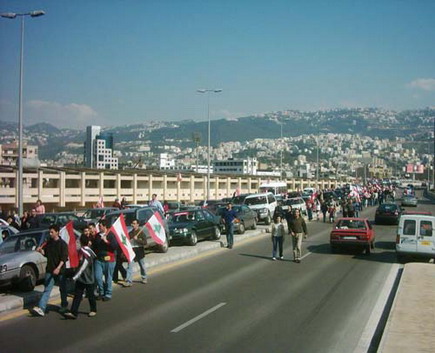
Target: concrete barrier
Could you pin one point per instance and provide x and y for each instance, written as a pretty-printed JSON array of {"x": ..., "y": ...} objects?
[{"x": 411, "y": 323}]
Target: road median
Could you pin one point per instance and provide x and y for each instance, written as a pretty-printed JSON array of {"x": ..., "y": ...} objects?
[{"x": 411, "y": 323}]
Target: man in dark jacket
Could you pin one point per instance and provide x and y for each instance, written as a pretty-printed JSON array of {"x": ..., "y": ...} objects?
[
  {"x": 85, "y": 280},
  {"x": 56, "y": 252},
  {"x": 33, "y": 220},
  {"x": 229, "y": 215},
  {"x": 297, "y": 230}
]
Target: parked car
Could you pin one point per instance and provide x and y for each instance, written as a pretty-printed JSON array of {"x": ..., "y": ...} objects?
[
  {"x": 388, "y": 213},
  {"x": 246, "y": 218},
  {"x": 211, "y": 205},
  {"x": 142, "y": 214},
  {"x": 296, "y": 203},
  {"x": 415, "y": 237},
  {"x": 189, "y": 226},
  {"x": 238, "y": 200},
  {"x": 93, "y": 215},
  {"x": 409, "y": 200},
  {"x": 20, "y": 264},
  {"x": 7, "y": 230},
  {"x": 264, "y": 204},
  {"x": 352, "y": 232},
  {"x": 61, "y": 219}
]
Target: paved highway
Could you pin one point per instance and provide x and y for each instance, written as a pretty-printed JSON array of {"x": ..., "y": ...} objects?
[{"x": 235, "y": 300}]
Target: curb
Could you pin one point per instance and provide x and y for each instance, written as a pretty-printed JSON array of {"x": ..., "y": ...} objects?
[{"x": 13, "y": 302}]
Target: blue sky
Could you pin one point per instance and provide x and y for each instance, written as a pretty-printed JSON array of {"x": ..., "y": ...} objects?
[{"x": 114, "y": 62}]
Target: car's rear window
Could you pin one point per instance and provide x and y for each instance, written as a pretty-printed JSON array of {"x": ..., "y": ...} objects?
[
  {"x": 409, "y": 227},
  {"x": 386, "y": 207},
  {"x": 350, "y": 224},
  {"x": 258, "y": 200}
]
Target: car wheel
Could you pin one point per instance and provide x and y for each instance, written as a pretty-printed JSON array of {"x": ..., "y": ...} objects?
[
  {"x": 241, "y": 228},
  {"x": 268, "y": 220},
  {"x": 27, "y": 278},
  {"x": 401, "y": 259},
  {"x": 368, "y": 249},
  {"x": 254, "y": 225},
  {"x": 193, "y": 239},
  {"x": 164, "y": 247},
  {"x": 217, "y": 233}
]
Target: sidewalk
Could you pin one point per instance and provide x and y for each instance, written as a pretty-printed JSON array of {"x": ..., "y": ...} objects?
[
  {"x": 22, "y": 300},
  {"x": 411, "y": 323}
]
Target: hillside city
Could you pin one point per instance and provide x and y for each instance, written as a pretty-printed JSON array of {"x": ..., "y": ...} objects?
[{"x": 364, "y": 142}]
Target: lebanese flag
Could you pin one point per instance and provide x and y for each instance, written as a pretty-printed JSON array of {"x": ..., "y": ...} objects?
[
  {"x": 68, "y": 236},
  {"x": 156, "y": 228},
  {"x": 121, "y": 234}
]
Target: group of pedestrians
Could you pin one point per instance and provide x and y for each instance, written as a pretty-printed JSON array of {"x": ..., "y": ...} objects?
[{"x": 97, "y": 261}]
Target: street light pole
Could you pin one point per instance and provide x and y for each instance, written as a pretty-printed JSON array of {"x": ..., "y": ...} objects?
[
  {"x": 208, "y": 91},
  {"x": 19, "y": 183}
]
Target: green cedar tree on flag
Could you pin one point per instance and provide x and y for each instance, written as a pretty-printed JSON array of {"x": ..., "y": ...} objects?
[
  {"x": 121, "y": 234},
  {"x": 156, "y": 228}
]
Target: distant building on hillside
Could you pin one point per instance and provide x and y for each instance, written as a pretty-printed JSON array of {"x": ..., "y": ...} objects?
[
  {"x": 98, "y": 149},
  {"x": 236, "y": 166},
  {"x": 9, "y": 155}
]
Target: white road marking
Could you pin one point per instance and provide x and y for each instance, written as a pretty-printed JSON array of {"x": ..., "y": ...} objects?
[
  {"x": 307, "y": 254},
  {"x": 375, "y": 316},
  {"x": 199, "y": 317}
]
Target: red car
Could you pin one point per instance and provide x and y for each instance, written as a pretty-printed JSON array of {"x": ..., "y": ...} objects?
[{"x": 352, "y": 232}]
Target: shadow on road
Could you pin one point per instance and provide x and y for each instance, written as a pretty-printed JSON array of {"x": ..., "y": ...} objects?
[{"x": 377, "y": 254}]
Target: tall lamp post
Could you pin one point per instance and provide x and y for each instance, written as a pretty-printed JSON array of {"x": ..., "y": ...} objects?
[
  {"x": 13, "y": 15},
  {"x": 208, "y": 91}
]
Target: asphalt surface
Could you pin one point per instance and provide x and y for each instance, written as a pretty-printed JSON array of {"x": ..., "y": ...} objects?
[{"x": 235, "y": 300}]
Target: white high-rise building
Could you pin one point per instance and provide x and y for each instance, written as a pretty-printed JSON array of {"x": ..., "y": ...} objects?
[{"x": 98, "y": 151}]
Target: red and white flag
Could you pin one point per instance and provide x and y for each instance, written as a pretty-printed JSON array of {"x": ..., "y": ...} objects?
[
  {"x": 156, "y": 228},
  {"x": 121, "y": 234},
  {"x": 68, "y": 236}
]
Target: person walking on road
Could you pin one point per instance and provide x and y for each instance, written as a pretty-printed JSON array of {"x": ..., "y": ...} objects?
[
  {"x": 138, "y": 241},
  {"x": 85, "y": 280},
  {"x": 277, "y": 238},
  {"x": 297, "y": 230},
  {"x": 56, "y": 252},
  {"x": 229, "y": 215},
  {"x": 105, "y": 246}
]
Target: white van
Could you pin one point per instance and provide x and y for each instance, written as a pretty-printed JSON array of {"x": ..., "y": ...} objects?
[
  {"x": 264, "y": 204},
  {"x": 415, "y": 237}
]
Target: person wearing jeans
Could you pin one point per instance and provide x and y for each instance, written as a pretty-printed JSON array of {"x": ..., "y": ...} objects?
[
  {"x": 229, "y": 215},
  {"x": 277, "y": 237},
  {"x": 56, "y": 252},
  {"x": 105, "y": 246},
  {"x": 138, "y": 241}
]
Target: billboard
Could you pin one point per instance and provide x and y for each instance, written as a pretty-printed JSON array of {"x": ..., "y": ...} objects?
[{"x": 415, "y": 168}]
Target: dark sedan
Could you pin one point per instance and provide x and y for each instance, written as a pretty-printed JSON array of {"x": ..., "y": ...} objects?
[
  {"x": 246, "y": 218},
  {"x": 192, "y": 225},
  {"x": 61, "y": 219},
  {"x": 388, "y": 213}
]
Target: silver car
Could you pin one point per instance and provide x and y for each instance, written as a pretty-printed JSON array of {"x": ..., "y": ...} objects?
[
  {"x": 409, "y": 200},
  {"x": 7, "y": 231},
  {"x": 20, "y": 264}
]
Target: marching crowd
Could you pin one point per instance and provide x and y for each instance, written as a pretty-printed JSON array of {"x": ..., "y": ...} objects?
[
  {"x": 98, "y": 262},
  {"x": 100, "y": 257}
]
